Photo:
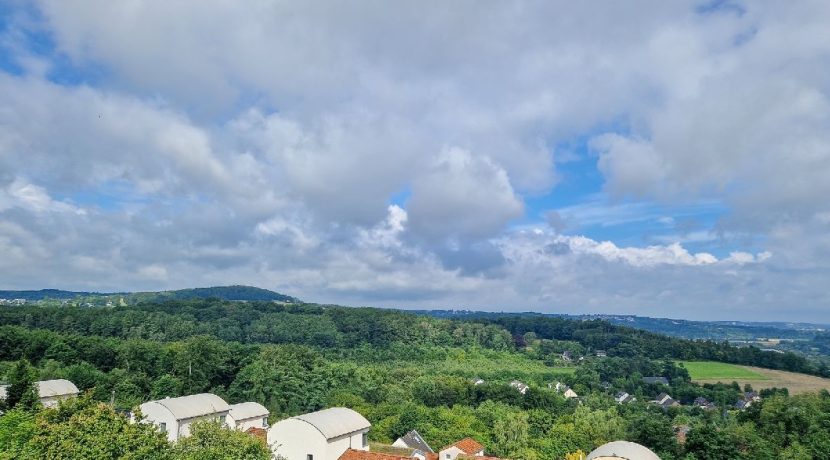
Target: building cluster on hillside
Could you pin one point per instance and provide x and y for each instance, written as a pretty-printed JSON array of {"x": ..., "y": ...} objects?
[
  {"x": 15, "y": 302},
  {"x": 340, "y": 433}
]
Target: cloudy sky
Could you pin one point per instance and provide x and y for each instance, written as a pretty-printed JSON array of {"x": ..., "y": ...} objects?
[{"x": 654, "y": 158}]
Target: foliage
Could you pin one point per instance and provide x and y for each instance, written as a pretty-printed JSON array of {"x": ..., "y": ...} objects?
[
  {"x": 211, "y": 441},
  {"x": 21, "y": 392},
  {"x": 402, "y": 371},
  {"x": 83, "y": 428}
]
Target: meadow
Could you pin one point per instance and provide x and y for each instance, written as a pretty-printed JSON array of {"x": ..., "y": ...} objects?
[{"x": 709, "y": 370}]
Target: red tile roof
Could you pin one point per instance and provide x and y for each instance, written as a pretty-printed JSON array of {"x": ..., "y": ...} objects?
[
  {"x": 468, "y": 446},
  {"x": 352, "y": 454},
  {"x": 259, "y": 433}
]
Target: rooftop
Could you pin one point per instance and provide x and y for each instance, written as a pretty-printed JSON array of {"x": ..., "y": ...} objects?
[
  {"x": 246, "y": 410},
  {"x": 191, "y": 406},
  {"x": 623, "y": 450},
  {"x": 335, "y": 422}
]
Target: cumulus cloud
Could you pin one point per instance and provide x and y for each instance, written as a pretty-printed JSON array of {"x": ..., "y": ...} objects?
[
  {"x": 462, "y": 195},
  {"x": 339, "y": 154}
]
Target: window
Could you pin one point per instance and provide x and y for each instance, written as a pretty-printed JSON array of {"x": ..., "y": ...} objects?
[
  {"x": 365, "y": 439},
  {"x": 265, "y": 422},
  {"x": 448, "y": 455},
  {"x": 222, "y": 419},
  {"x": 309, "y": 457},
  {"x": 163, "y": 427}
]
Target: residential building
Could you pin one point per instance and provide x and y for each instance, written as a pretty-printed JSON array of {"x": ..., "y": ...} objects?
[
  {"x": 321, "y": 435},
  {"x": 624, "y": 398},
  {"x": 622, "y": 450},
  {"x": 174, "y": 416},
  {"x": 467, "y": 447},
  {"x": 656, "y": 380},
  {"x": 521, "y": 387},
  {"x": 601, "y": 354},
  {"x": 247, "y": 415},
  {"x": 414, "y": 440},
  {"x": 50, "y": 392},
  {"x": 664, "y": 400},
  {"x": 567, "y": 356}
]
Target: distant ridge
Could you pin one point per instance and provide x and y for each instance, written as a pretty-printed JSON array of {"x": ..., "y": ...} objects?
[
  {"x": 45, "y": 294},
  {"x": 236, "y": 292}
]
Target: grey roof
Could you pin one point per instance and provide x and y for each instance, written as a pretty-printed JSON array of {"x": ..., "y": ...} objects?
[
  {"x": 49, "y": 388},
  {"x": 246, "y": 410},
  {"x": 191, "y": 406},
  {"x": 335, "y": 422},
  {"x": 623, "y": 450},
  {"x": 414, "y": 440},
  {"x": 58, "y": 387}
]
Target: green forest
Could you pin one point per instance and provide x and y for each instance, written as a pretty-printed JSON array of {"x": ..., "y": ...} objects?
[{"x": 401, "y": 370}]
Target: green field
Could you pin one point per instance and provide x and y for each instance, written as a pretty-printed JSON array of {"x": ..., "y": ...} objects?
[{"x": 707, "y": 370}]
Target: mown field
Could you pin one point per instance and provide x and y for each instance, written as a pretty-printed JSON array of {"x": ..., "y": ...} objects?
[
  {"x": 760, "y": 378},
  {"x": 706, "y": 370}
]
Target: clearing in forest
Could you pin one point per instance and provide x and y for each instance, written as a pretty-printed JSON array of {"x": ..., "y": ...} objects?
[
  {"x": 707, "y": 370},
  {"x": 758, "y": 377}
]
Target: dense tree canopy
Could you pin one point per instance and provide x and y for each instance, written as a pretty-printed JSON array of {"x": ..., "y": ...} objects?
[{"x": 402, "y": 371}]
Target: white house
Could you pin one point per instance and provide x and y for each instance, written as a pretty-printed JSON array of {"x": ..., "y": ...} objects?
[
  {"x": 175, "y": 415},
  {"x": 521, "y": 387},
  {"x": 321, "y": 435},
  {"x": 564, "y": 389},
  {"x": 50, "y": 392},
  {"x": 247, "y": 415},
  {"x": 468, "y": 447}
]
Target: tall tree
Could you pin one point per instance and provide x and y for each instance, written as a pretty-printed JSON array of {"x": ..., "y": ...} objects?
[{"x": 22, "y": 390}]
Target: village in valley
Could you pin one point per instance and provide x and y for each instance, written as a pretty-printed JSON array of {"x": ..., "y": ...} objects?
[{"x": 341, "y": 433}]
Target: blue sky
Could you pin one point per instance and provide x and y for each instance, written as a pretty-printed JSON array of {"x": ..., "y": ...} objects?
[{"x": 664, "y": 159}]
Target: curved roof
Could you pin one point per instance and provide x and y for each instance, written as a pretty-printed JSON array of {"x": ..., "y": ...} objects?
[
  {"x": 335, "y": 422},
  {"x": 246, "y": 410},
  {"x": 622, "y": 450},
  {"x": 59, "y": 387},
  {"x": 185, "y": 407}
]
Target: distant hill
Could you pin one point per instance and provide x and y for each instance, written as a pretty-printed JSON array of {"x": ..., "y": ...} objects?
[
  {"x": 45, "y": 294},
  {"x": 244, "y": 293},
  {"x": 733, "y": 331},
  {"x": 247, "y": 293}
]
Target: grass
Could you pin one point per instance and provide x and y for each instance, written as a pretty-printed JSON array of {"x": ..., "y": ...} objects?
[{"x": 708, "y": 370}]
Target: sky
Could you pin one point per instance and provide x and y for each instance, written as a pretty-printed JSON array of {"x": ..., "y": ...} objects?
[{"x": 654, "y": 158}]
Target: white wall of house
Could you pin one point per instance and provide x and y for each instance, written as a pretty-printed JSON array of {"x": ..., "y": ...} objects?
[
  {"x": 52, "y": 401},
  {"x": 295, "y": 439},
  {"x": 162, "y": 418},
  {"x": 167, "y": 423},
  {"x": 245, "y": 423},
  {"x": 450, "y": 453}
]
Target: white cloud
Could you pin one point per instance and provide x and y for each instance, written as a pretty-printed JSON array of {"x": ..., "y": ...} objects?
[
  {"x": 263, "y": 143},
  {"x": 462, "y": 195}
]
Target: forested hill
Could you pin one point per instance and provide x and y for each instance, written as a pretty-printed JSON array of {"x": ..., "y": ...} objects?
[
  {"x": 237, "y": 292},
  {"x": 245, "y": 293},
  {"x": 409, "y": 372},
  {"x": 45, "y": 294}
]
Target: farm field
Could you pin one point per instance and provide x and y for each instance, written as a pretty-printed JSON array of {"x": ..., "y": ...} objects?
[
  {"x": 758, "y": 377},
  {"x": 706, "y": 370}
]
